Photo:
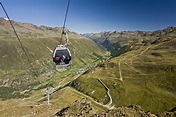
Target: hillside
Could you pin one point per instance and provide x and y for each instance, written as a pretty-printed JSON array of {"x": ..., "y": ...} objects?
[
  {"x": 17, "y": 73},
  {"x": 84, "y": 107},
  {"x": 144, "y": 75},
  {"x": 138, "y": 80},
  {"x": 119, "y": 42}
]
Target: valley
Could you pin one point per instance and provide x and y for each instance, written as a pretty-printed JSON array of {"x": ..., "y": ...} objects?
[
  {"x": 115, "y": 71},
  {"x": 137, "y": 76}
]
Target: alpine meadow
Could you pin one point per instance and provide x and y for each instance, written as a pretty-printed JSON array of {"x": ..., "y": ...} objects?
[
  {"x": 88, "y": 58},
  {"x": 127, "y": 73}
]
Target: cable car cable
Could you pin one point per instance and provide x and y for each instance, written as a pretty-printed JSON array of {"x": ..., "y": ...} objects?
[
  {"x": 64, "y": 21},
  {"x": 61, "y": 54},
  {"x": 18, "y": 39}
]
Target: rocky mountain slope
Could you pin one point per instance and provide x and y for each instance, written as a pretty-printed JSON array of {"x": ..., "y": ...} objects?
[{"x": 85, "y": 108}]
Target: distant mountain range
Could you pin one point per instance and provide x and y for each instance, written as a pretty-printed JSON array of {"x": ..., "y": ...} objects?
[{"x": 120, "y": 42}]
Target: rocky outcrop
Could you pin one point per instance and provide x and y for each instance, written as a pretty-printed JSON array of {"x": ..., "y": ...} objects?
[
  {"x": 78, "y": 108},
  {"x": 85, "y": 108}
]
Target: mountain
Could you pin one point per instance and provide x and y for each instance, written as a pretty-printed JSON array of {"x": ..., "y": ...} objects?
[
  {"x": 138, "y": 79},
  {"x": 142, "y": 74},
  {"x": 18, "y": 72},
  {"x": 119, "y": 42}
]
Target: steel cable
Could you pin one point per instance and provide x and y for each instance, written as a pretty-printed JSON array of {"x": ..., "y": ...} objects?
[{"x": 19, "y": 40}]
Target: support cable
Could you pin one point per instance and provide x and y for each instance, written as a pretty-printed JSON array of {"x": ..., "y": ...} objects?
[
  {"x": 64, "y": 21},
  {"x": 18, "y": 39}
]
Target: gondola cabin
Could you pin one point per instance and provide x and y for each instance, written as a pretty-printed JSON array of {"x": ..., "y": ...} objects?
[{"x": 62, "y": 56}]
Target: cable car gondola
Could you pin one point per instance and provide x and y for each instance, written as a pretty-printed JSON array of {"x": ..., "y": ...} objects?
[{"x": 62, "y": 56}]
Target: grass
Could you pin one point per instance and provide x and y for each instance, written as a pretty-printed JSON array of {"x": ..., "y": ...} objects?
[
  {"x": 148, "y": 73},
  {"x": 148, "y": 79},
  {"x": 93, "y": 89},
  {"x": 24, "y": 107},
  {"x": 16, "y": 68}
]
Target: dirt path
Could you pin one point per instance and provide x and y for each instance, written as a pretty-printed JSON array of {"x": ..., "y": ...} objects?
[
  {"x": 120, "y": 73},
  {"x": 145, "y": 50},
  {"x": 49, "y": 49},
  {"x": 88, "y": 97},
  {"x": 59, "y": 87},
  {"x": 130, "y": 65},
  {"x": 108, "y": 105}
]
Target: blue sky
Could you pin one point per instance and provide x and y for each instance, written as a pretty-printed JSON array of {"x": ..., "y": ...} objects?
[{"x": 95, "y": 15}]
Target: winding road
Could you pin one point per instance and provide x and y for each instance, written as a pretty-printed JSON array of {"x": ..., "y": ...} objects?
[
  {"x": 108, "y": 105},
  {"x": 120, "y": 73},
  {"x": 88, "y": 97}
]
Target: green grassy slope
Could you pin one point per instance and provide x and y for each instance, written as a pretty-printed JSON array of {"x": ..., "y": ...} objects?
[
  {"x": 144, "y": 76},
  {"x": 21, "y": 107},
  {"x": 16, "y": 71}
]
